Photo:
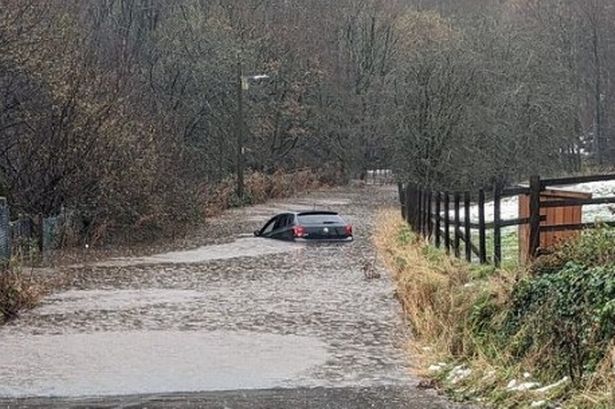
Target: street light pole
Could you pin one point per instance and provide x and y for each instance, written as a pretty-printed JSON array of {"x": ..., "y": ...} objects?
[
  {"x": 239, "y": 130},
  {"x": 242, "y": 85}
]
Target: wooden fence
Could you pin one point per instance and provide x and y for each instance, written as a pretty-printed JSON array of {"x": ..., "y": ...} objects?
[{"x": 433, "y": 214}]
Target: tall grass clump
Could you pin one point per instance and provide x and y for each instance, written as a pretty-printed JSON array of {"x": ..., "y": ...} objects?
[
  {"x": 427, "y": 286},
  {"x": 18, "y": 292}
]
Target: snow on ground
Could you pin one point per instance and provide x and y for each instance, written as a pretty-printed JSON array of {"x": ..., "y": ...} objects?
[
  {"x": 510, "y": 206},
  {"x": 510, "y": 210}
]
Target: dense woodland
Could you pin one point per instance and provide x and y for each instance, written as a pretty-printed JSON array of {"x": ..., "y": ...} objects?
[{"x": 126, "y": 109}]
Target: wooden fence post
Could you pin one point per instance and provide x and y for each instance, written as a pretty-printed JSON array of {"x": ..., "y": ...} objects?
[
  {"x": 419, "y": 218},
  {"x": 401, "y": 191},
  {"x": 423, "y": 213},
  {"x": 497, "y": 229},
  {"x": 447, "y": 222},
  {"x": 419, "y": 210},
  {"x": 468, "y": 231},
  {"x": 409, "y": 204},
  {"x": 412, "y": 208},
  {"x": 457, "y": 225},
  {"x": 437, "y": 221},
  {"x": 420, "y": 205},
  {"x": 482, "y": 237},
  {"x": 535, "y": 189},
  {"x": 428, "y": 211}
]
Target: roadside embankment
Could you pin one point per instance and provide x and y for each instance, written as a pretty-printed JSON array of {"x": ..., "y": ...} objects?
[{"x": 540, "y": 336}]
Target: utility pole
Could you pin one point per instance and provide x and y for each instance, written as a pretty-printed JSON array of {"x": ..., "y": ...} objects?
[{"x": 239, "y": 130}]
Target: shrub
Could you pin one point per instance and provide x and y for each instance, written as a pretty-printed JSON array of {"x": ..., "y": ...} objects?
[
  {"x": 17, "y": 292},
  {"x": 593, "y": 248},
  {"x": 567, "y": 319},
  {"x": 259, "y": 187}
]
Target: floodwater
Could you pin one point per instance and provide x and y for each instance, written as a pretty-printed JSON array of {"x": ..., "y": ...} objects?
[
  {"x": 241, "y": 247},
  {"x": 241, "y": 313},
  {"x": 138, "y": 362}
]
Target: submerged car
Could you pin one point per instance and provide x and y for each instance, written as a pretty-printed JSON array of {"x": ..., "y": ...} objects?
[{"x": 304, "y": 226}]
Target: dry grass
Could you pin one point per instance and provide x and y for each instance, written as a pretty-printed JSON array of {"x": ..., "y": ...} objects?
[
  {"x": 601, "y": 385},
  {"x": 18, "y": 291},
  {"x": 427, "y": 286}
]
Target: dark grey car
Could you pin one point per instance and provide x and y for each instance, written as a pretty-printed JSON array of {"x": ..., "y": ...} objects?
[{"x": 304, "y": 226}]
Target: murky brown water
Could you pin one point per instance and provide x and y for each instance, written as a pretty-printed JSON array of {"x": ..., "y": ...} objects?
[{"x": 240, "y": 313}]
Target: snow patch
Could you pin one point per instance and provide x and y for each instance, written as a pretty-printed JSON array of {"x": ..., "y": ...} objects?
[
  {"x": 458, "y": 374},
  {"x": 521, "y": 386},
  {"x": 489, "y": 376},
  {"x": 547, "y": 388},
  {"x": 439, "y": 367}
]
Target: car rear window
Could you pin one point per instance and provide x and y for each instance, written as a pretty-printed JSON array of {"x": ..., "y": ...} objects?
[{"x": 319, "y": 219}]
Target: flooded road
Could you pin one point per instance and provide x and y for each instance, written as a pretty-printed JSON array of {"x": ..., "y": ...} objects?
[{"x": 237, "y": 314}]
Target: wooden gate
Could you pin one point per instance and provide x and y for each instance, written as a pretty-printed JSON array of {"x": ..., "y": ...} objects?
[{"x": 551, "y": 216}]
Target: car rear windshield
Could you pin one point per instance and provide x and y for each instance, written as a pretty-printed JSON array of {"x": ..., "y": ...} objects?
[{"x": 320, "y": 219}]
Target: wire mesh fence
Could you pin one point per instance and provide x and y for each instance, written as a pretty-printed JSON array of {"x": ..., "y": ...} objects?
[{"x": 25, "y": 234}]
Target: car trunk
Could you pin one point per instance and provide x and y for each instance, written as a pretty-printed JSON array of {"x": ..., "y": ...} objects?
[{"x": 325, "y": 232}]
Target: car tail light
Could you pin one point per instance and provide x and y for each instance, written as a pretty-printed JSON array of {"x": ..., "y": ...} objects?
[
  {"x": 348, "y": 229},
  {"x": 299, "y": 231}
]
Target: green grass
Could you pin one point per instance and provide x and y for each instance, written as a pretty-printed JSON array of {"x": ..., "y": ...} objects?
[{"x": 509, "y": 246}]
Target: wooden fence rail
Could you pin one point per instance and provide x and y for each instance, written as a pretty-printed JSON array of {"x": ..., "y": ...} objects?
[{"x": 433, "y": 214}]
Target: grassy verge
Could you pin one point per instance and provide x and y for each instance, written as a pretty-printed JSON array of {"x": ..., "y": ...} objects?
[
  {"x": 543, "y": 336},
  {"x": 18, "y": 292}
]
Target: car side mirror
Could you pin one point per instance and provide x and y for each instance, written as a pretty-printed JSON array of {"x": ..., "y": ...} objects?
[{"x": 257, "y": 233}]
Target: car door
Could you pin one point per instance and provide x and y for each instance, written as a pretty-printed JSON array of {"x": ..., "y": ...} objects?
[
  {"x": 281, "y": 230},
  {"x": 269, "y": 227}
]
